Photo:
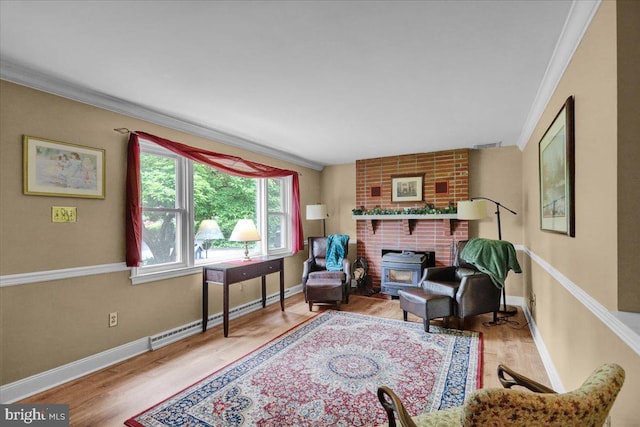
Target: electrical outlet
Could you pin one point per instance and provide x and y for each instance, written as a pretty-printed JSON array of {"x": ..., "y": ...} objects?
[
  {"x": 532, "y": 301},
  {"x": 113, "y": 319},
  {"x": 607, "y": 422}
]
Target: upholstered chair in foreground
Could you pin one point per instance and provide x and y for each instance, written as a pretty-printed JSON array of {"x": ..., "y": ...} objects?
[{"x": 587, "y": 406}]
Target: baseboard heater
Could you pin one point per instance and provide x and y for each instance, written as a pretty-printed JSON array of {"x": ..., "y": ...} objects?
[{"x": 193, "y": 328}]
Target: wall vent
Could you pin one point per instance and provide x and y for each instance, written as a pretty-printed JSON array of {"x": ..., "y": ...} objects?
[{"x": 488, "y": 145}]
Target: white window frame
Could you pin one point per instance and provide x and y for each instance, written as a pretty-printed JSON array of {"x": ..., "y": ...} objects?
[
  {"x": 185, "y": 232},
  {"x": 287, "y": 205}
]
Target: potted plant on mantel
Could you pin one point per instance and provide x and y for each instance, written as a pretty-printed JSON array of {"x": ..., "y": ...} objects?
[
  {"x": 427, "y": 209},
  {"x": 408, "y": 215}
]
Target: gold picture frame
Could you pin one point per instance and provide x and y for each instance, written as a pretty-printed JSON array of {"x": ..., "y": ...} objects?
[
  {"x": 54, "y": 168},
  {"x": 407, "y": 188}
]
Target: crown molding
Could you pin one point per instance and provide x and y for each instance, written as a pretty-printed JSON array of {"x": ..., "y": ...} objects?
[
  {"x": 578, "y": 20},
  {"x": 25, "y": 76}
]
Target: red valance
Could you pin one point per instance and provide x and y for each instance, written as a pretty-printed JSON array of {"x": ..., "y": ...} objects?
[{"x": 232, "y": 165}]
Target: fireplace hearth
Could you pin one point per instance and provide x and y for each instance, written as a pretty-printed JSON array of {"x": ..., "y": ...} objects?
[{"x": 402, "y": 269}]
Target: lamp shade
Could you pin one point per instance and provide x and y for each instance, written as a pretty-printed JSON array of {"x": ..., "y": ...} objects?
[
  {"x": 209, "y": 230},
  {"x": 472, "y": 209},
  {"x": 245, "y": 231},
  {"x": 316, "y": 211}
]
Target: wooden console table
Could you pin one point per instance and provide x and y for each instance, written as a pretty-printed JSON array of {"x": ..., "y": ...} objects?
[{"x": 231, "y": 272}]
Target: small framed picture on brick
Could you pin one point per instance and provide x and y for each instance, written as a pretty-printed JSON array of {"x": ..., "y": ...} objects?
[
  {"x": 442, "y": 187},
  {"x": 407, "y": 188}
]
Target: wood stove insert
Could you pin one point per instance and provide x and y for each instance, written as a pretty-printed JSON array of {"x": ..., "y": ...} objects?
[{"x": 402, "y": 269}]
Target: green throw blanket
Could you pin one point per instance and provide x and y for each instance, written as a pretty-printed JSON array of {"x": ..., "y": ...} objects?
[
  {"x": 493, "y": 257},
  {"x": 336, "y": 251}
]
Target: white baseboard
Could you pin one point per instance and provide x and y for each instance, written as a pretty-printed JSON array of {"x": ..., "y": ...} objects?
[
  {"x": 552, "y": 372},
  {"x": 29, "y": 386},
  {"x": 34, "y": 384}
]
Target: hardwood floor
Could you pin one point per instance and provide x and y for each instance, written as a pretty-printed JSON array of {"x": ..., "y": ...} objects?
[{"x": 110, "y": 396}]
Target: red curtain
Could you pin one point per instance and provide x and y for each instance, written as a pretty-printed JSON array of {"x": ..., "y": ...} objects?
[
  {"x": 133, "y": 226},
  {"x": 225, "y": 163}
]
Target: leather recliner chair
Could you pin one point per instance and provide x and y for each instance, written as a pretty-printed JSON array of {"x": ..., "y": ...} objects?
[
  {"x": 316, "y": 266},
  {"x": 472, "y": 291}
]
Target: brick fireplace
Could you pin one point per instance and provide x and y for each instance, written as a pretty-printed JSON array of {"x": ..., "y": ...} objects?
[{"x": 446, "y": 179}]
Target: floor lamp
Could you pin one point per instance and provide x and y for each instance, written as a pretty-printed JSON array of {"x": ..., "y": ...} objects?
[
  {"x": 476, "y": 209},
  {"x": 318, "y": 212}
]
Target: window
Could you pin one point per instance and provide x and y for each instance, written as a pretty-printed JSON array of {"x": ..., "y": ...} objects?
[
  {"x": 278, "y": 206},
  {"x": 189, "y": 211},
  {"x": 164, "y": 210},
  {"x": 224, "y": 199}
]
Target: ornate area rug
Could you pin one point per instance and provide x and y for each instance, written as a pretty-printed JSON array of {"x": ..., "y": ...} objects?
[{"x": 326, "y": 372}]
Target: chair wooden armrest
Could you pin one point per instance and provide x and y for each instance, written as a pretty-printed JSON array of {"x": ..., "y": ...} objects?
[
  {"x": 520, "y": 380},
  {"x": 392, "y": 403}
]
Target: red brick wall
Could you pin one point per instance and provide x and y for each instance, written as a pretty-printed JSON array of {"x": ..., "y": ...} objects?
[{"x": 450, "y": 166}]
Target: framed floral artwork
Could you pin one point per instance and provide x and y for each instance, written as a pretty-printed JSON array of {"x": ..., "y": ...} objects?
[{"x": 53, "y": 168}]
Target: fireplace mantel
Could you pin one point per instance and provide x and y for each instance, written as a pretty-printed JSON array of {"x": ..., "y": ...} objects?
[
  {"x": 408, "y": 220},
  {"x": 405, "y": 216}
]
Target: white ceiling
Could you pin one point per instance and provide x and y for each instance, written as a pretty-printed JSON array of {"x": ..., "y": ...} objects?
[{"x": 325, "y": 81}]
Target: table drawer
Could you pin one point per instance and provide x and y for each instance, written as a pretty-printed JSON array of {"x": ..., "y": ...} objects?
[
  {"x": 268, "y": 267},
  {"x": 216, "y": 276},
  {"x": 243, "y": 273}
]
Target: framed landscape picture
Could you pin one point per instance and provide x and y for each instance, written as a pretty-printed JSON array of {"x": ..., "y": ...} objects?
[
  {"x": 53, "y": 168},
  {"x": 557, "y": 173},
  {"x": 406, "y": 188}
]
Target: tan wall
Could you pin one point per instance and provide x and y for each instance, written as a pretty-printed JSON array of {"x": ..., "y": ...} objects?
[
  {"x": 591, "y": 79},
  {"x": 496, "y": 173},
  {"x": 338, "y": 192},
  {"x": 628, "y": 154},
  {"x": 577, "y": 341},
  {"x": 45, "y": 325}
]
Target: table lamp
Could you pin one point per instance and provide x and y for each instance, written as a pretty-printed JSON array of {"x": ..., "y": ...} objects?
[{"x": 245, "y": 231}]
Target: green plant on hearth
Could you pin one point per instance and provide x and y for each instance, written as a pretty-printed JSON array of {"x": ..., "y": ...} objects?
[{"x": 427, "y": 209}]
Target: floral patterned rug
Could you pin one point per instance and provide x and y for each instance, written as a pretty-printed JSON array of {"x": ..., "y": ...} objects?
[{"x": 326, "y": 372}]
